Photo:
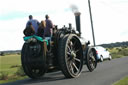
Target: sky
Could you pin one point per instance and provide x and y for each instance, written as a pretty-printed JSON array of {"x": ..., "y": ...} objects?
[{"x": 110, "y": 18}]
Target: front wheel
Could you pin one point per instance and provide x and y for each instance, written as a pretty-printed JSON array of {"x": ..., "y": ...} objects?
[{"x": 91, "y": 59}]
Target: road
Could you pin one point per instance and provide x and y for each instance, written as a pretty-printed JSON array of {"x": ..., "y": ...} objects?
[{"x": 106, "y": 73}]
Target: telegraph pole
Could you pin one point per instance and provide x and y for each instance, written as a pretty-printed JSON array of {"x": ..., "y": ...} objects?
[{"x": 91, "y": 22}]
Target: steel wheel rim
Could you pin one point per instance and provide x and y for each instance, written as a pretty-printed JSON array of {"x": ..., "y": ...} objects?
[
  {"x": 73, "y": 54},
  {"x": 92, "y": 59}
]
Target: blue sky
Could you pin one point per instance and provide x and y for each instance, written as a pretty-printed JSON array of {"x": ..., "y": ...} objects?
[
  {"x": 110, "y": 19},
  {"x": 15, "y": 15}
]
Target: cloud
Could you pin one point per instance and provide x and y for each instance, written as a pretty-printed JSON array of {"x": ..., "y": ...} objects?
[
  {"x": 110, "y": 19},
  {"x": 30, "y": 5},
  {"x": 11, "y": 34}
]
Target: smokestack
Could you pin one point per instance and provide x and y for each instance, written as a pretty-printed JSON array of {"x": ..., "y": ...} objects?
[{"x": 77, "y": 19}]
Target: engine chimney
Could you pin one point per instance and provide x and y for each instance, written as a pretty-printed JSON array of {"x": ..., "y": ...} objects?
[{"x": 77, "y": 18}]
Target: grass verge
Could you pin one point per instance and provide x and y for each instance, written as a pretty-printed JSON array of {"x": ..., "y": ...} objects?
[
  {"x": 119, "y": 52},
  {"x": 10, "y": 68},
  {"x": 123, "y": 81},
  {"x": 12, "y": 79}
]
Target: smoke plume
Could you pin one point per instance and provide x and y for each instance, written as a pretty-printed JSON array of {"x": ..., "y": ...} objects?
[{"x": 74, "y": 8}]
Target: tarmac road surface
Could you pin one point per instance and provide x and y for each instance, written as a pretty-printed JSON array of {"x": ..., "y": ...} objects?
[{"x": 106, "y": 73}]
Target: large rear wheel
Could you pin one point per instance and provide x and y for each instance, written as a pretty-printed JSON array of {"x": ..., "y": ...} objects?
[
  {"x": 33, "y": 60},
  {"x": 70, "y": 56}
]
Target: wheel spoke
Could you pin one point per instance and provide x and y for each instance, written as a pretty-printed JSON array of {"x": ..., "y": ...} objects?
[
  {"x": 75, "y": 67},
  {"x": 69, "y": 48},
  {"x": 93, "y": 58},
  {"x": 71, "y": 67},
  {"x": 68, "y": 53},
  {"x": 71, "y": 45},
  {"x": 74, "y": 44},
  {"x": 90, "y": 54},
  {"x": 92, "y": 66},
  {"x": 68, "y": 58},
  {"x": 77, "y": 59},
  {"x": 92, "y": 63},
  {"x": 77, "y": 50}
]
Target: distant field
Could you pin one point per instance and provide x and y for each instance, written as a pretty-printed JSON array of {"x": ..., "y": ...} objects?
[
  {"x": 118, "y": 52},
  {"x": 10, "y": 63}
]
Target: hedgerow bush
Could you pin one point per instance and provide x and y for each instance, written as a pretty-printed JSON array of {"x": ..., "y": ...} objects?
[
  {"x": 3, "y": 75},
  {"x": 20, "y": 71},
  {"x": 118, "y": 52}
]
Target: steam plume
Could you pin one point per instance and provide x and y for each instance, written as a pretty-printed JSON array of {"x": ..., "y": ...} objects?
[{"x": 74, "y": 8}]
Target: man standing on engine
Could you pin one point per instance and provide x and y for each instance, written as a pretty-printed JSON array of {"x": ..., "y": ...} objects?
[{"x": 49, "y": 27}]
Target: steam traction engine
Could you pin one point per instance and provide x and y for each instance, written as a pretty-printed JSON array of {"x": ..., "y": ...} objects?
[{"x": 66, "y": 51}]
